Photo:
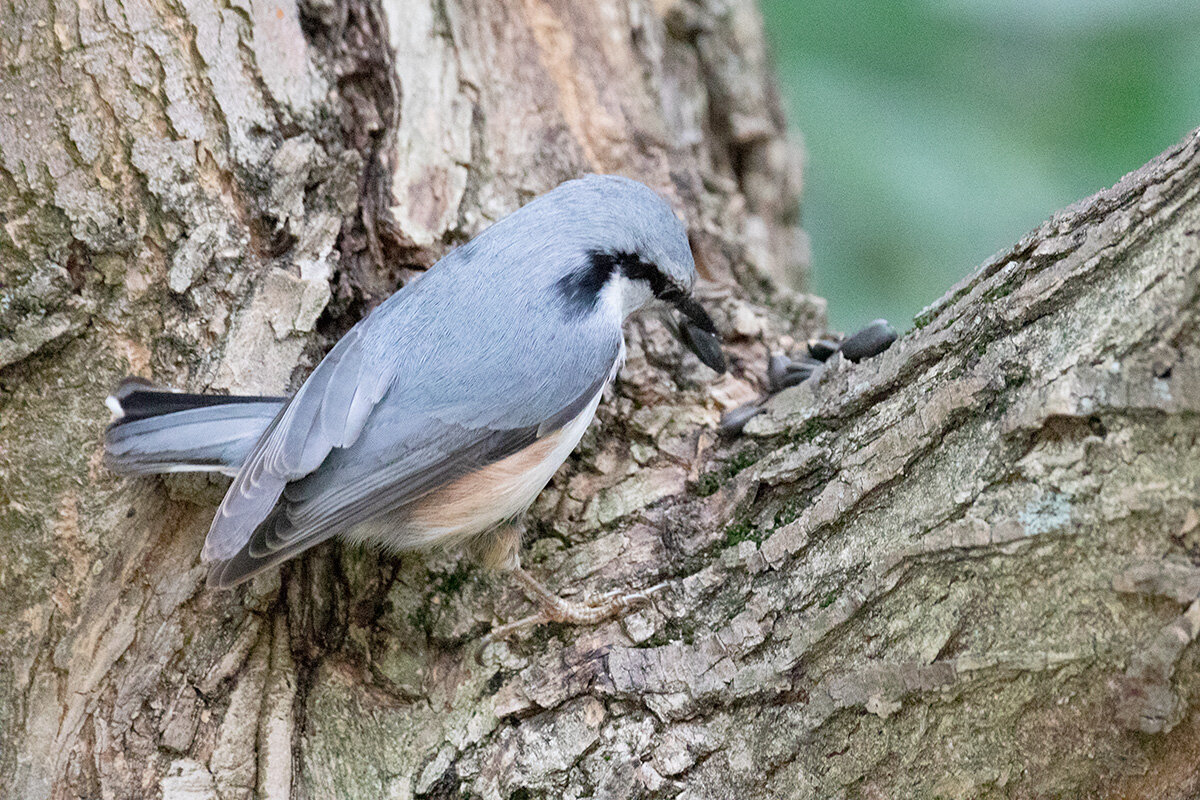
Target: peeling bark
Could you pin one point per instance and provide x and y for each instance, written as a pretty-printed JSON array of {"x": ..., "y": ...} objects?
[{"x": 968, "y": 568}]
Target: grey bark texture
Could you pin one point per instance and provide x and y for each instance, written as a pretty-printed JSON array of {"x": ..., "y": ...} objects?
[{"x": 967, "y": 568}]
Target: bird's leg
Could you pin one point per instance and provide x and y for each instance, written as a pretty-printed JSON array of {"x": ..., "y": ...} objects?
[
  {"x": 558, "y": 609},
  {"x": 501, "y": 551},
  {"x": 589, "y": 612}
]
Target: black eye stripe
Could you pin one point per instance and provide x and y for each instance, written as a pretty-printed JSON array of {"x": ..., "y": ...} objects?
[
  {"x": 582, "y": 287},
  {"x": 635, "y": 269}
]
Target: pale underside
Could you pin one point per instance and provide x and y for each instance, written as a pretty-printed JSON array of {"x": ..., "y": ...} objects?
[{"x": 478, "y": 501}]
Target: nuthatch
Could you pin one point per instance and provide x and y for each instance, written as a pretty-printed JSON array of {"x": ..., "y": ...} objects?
[{"x": 443, "y": 413}]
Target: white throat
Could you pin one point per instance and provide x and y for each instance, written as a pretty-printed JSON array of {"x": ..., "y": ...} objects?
[{"x": 622, "y": 296}]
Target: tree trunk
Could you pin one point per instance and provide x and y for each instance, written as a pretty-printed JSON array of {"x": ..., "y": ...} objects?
[{"x": 969, "y": 567}]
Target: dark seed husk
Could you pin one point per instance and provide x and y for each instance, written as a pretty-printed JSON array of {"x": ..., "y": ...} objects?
[
  {"x": 734, "y": 421},
  {"x": 822, "y": 349},
  {"x": 777, "y": 367},
  {"x": 870, "y": 341},
  {"x": 782, "y": 372}
]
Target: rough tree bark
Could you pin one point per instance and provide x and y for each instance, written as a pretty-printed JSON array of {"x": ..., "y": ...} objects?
[{"x": 967, "y": 568}]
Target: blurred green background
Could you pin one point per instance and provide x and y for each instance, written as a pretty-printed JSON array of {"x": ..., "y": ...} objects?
[{"x": 940, "y": 131}]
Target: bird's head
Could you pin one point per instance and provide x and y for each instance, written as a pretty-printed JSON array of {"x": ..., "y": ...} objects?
[{"x": 634, "y": 249}]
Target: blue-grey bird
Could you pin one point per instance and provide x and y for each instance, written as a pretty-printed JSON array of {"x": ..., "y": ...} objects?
[{"x": 444, "y": 412}]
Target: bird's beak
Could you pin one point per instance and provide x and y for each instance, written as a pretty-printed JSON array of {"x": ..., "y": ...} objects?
[
  {"x": 695, "y": 312},
  {"x": 700, "y": 334}
]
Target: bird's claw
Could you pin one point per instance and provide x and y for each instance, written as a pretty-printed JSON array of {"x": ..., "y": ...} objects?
[{"x": 589, "y": 611}]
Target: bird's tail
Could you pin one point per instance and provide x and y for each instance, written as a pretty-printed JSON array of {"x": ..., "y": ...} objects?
[{"x": 157, "y": 430}]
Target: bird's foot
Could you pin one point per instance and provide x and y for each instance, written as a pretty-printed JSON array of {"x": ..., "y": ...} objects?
[{"x": 570, "y": 612}]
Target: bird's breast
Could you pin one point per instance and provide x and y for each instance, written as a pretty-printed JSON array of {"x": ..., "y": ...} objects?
[{"x": 501, "y": 490}]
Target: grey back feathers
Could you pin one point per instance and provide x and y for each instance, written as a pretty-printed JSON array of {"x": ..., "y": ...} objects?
[{"x": 503, "y": 341}]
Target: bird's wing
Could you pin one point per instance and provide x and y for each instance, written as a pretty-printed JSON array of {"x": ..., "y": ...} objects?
[
  {"x": 329, "y": 411},
  {"x": 460, "y": 386},
  {"x": 371, "y": 477}
]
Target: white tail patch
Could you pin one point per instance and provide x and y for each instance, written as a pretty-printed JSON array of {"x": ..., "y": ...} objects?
[{"x": 114, "y": 405}]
